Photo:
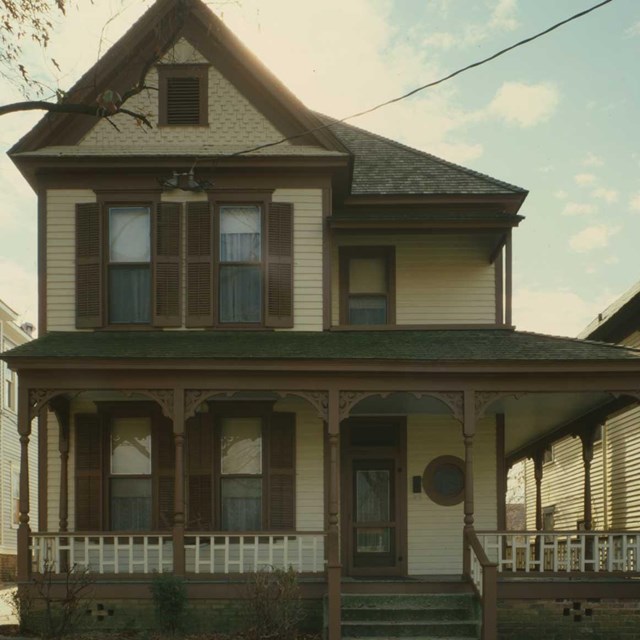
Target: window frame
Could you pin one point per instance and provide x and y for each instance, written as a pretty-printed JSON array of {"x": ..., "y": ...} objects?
[
  {"x": 9, "y": 383},
  {"x": 218, "y": 264},
  {"x": 348, "y": 253},
  {"x": 105, "y": 202},
  {"x": 107, "y": 411},
  {"x": 428, "y": 481},
  {"x": 14, "y": 483},
  {"x": 167, "y": 71}
]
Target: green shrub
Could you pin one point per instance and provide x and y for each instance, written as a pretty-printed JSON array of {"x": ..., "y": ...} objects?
[{"x": 169, "y": 602}]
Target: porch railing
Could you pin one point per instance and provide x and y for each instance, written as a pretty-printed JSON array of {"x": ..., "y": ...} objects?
[
  {"x": 242, "y": 553},
  {"x": 124, "y": 553},
  {"x": 563, "y": 551},
  {"x": 482, "y": 573}
]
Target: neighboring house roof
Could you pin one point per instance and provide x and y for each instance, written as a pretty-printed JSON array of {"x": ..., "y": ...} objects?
[
  {"x": 432, "y": 346},
  {"x": 384, "y": 166},
  {"x": 618, "y": 320}
]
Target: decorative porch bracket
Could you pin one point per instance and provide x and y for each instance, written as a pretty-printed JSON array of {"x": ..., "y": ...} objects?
[{"x": 484, "y": 399}]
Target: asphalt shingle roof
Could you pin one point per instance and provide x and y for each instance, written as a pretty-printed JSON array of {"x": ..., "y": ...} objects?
[
  {"x": 438, "y": 345},
  {"x": 386, "y": 167}
]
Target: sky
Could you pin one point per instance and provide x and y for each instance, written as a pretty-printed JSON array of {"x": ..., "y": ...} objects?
[{"x": 559, "y": 117}]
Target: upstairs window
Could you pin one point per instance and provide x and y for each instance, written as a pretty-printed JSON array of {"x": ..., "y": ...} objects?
[
  {"x": 367, "y": 285},
  {"x": 241, "y": 268},
  {"x": 9, "y": 381},
  {"x": 183, "y": 95},
  {"x": 129, "y": 265}
]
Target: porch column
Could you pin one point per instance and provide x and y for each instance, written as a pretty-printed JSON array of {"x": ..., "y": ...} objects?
[
  {"x": 587, "y": 436},
  {"x": 334, "y": 566},
  {"x": 538, "y": 458},
  {"x": 60, "y": 407},
  {"x": 468, "y": 431},
  {"x": 178, "y": 488},
  {"x": 24, "y": 430}
]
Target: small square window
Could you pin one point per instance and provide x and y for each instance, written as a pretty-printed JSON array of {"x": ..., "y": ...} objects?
[{"x": 183, "y": 95}]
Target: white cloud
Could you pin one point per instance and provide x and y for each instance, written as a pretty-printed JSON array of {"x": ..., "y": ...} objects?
[
  {"x": 634, "y": 29},
  {"x": 547, "y": 168},
  {"x": 594, "y": 237},
  {"x": 608, "y": 195},
  {"x": 524, "y": 105},
  {"x": 556, "y": 311},
  {"x": 578, "y": 209},
  {"x": 584, "y": 178},
  {"x": 634, "y": 202},
  {"x": 612, "y": 260},
  {"x": 561, "y": 194},
  {"x": 440, "y": 40},
  {"x": 592, "y": 160}
]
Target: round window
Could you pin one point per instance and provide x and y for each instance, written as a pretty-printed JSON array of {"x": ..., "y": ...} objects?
[{"x": 443, "y": 480}]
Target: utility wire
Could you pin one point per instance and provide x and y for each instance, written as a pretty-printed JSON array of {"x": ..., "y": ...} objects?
[{"x": 424, "y": 86}]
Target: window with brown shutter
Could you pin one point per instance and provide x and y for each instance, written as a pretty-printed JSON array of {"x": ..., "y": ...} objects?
[
  {"x": 88, "y": 472},
  {"x": 200, "y": 473},
  {"x": 166, "y": 264},
  {"x": 183, "y": 95},
  {"x": 279, "y": 307},
  {"x": 282, "y": 476},
  {"x": 200, "y": 292},
  {"x": 88, "y": 266}
]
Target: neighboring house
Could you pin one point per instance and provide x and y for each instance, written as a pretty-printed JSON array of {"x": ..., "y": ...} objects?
[
  {"x": 613, "y": 443},
  {"x": 300, "y": 355},
  {"x": 11, "y": 335}
]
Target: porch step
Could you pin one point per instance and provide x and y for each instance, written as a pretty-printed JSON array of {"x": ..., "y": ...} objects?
[{"x": 410, "y": 617}]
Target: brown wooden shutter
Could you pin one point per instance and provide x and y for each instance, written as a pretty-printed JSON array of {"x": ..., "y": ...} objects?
[
  {"x": 165, "y": 475},
  {"x": 166, "y": 265},
  {"x": 279, "y": 308},
  {"x": 282, "y": 471},
  {"x": 200, "y": 285},
  {"x": 88, "y": 476},
  {"x": 88, "y": 266},
  {"x": 200, "y": 473}
]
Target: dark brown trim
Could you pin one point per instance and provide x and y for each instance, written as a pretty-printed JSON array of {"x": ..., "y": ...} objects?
[
  {"x": 508, "y": 281},
  {"x": 451, "y": 226},
  {"x": 499, "y": 291},
  {"x": 43, "y": 469},
  {"x": 501, "y": 472},
  {"x": 418, "y": 327},
  {"x": 42, "y": 261},
  {"x": 199, "y": 71},
  {"x": 348, "y": 253},
  {"x": 327, "y": 260}
]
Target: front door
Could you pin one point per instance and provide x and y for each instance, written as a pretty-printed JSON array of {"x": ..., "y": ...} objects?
[{"x": 374, "y": 495}]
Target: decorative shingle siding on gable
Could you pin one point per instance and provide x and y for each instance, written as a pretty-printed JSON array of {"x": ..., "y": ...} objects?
[
  {"x": 439, "y": 279},
  {"x": 233, "y": 120}
]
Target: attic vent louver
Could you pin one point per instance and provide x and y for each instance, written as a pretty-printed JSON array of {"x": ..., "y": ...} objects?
[{"x": 183, "y": 101}]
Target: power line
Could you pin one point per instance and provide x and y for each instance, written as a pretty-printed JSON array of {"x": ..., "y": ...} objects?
[{"x": 425, "y": 86}]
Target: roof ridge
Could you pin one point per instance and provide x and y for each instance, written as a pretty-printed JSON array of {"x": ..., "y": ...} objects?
[{"x": 419, "y": 152}]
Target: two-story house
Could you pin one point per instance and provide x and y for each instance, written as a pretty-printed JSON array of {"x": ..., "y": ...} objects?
[
  {"x": 12, "y": 334},
  {"x": 299, "y": 354}
]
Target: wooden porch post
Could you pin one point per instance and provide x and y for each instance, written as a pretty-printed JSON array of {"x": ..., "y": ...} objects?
[
  {"x": 178, "y": 496},
  {"x": 587, "y": 436},
  {"x": 538, "y": 459},
  {"x": 334, "y": 566},
  {"x": 468, "y": 431},
  {"x": 60, "y": 407},
  {"x": 24, "y": 429}
]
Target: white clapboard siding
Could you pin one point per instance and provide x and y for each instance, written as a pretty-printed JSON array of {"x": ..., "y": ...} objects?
[
  {"x": 440, "y": 279},
  {"x": 434, "y": 531},
  {"x": 233, "y": 121}
]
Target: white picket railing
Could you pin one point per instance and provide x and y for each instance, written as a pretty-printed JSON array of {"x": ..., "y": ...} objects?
[
  {"x": 124, "y": 553},
  {"x": 563, "y": 551},
  {"x": 243, "y": 553}
]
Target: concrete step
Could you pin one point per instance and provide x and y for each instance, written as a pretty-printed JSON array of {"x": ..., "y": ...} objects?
[
  {"x": 406, "y": 614},
  {"x": 412, "y": 601}
]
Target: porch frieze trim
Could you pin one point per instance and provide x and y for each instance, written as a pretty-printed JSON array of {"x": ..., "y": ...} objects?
[
  {"x": 164, "y": 397},
  {"x": 318, "y": 399},
  {"x": 193, "y": 398},
  {"x": 453, "y": 399},
  {"x": 39, "y": 398},
  {"x": 484, "y": 398},
  {"x": 634, "y": 394},
  {"x": 349, "y": 399}
]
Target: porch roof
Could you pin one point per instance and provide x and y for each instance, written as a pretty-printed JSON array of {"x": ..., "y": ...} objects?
[{"x": 465, "y": 345}]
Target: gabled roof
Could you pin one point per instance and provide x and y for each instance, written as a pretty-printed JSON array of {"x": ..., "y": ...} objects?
[
  {"x": 618, "y": 320},
  {"x": 385, "y": 167},
  {"x": 147, "y": 40},
  {"x": 436, "y": 346}
]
